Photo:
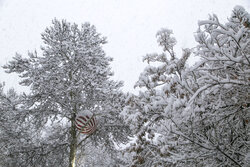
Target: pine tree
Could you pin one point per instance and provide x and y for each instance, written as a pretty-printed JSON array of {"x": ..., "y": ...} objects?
[{"x": 70, "y": 76}]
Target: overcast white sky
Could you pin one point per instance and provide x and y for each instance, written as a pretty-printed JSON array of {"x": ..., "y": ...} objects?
[{"x": 129, "y": 25}]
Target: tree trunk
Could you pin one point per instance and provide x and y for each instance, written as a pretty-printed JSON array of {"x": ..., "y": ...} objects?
[{"x": 73, "y": 144}]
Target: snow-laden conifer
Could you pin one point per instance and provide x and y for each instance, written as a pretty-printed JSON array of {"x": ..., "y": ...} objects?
[{"x": 71, "y": 75}]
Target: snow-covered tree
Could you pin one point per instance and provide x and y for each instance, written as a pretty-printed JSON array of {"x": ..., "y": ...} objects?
[
  {"x": 71, "y": 75},
  {"x": 9, "y": 129},
  {"x": 15, "y": 130},
  {"x": 195, "y": 116},
  {"x": 152, "y": 111},
  {"x": 225, "y": 64},
  {"x": 100, "y": 157}
]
